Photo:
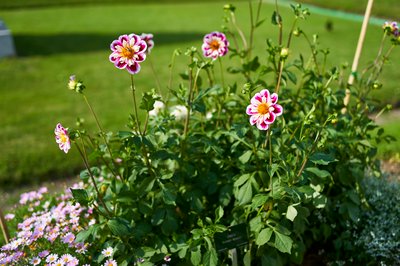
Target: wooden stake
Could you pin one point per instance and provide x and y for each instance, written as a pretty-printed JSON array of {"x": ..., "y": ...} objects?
[
  {"x": 4, "y": 228},
  {"x": 358, "y": 52}
]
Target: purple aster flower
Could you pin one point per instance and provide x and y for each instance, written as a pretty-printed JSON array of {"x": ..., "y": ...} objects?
[{"x": 127, "y": 52}]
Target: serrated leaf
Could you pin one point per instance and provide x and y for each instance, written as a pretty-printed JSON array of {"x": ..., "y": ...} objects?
[
  {"x": 245, "y": 193},
  {"x": 241, "y": 180},
  {"x": 245, "y": 157},
  {"x": 210, "y": 257},
  {"x": 291, "y": 213},
  {"x": 259, "y": 200},
  {"x": 195, "y": 257},
  {"x": 119, "y": 227},
  {"x": 283, "y": 243},
  {"x": 219, "y": 212},
  {"x": 318, "y": 172},
  {"x": 322, "y": 158},
  {"x": 80, "y": 195},
  {"x": 264, "y": 236}
]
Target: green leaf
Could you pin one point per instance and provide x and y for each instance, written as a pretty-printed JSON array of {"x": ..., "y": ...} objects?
[
  {"x": 158, "y": 216},
  {"x": 276, "y": 18},
  {"x": 119, "y": 227},
  {"x": 219, "y": 212},
  {"x": 264, "y": 236},
  {"x": 245, "y": 193},
  {"x": 195, "y": 256},
  {"x": 318, "y": 172},
  {"x": 148, "y": 100},
  {"x": 83, "y": 235},
  {"x": 80, "y": 195},
  {"x": 168, "y": 196},
  {"x": 283, "y": 243},
  {"x": 210, "y": 257},
  {"x": 245, "y": 157},
  {"x": 291, "y": 213},
  {"x": 241, "y": 180},
  {"x": 322, "y": 158},
  {"x": 259, "y": 200}
]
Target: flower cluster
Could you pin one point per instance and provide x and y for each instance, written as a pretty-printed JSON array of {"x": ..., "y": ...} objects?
[
  {"x": 391, "y": 28},
  {"x": 47, "y": 226}
]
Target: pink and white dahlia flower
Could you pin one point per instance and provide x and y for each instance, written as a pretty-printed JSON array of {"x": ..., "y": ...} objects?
[
  {"x": 215, "y": 45},
  {"x": 127, "y": 52},
  {"x": 148, "y": 38},
  {"x": 263, "y": 109},
  {"x": 62, "y": 138}
]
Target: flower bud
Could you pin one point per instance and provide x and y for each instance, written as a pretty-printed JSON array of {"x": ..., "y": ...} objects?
[
  {"x": 75, "y": 85},
  {"x": 284, "y": 53}
]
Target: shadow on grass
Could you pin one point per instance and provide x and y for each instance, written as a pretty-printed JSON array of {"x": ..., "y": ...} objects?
[{"x": 65, "y": 43}]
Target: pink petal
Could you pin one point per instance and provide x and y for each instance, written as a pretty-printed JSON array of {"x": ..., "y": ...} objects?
[
  {"x": 251, "y": 110},
  {"x": 134, "y": 68},
  {"x": 114, "y": 45},
  {"x": 261, "y": 125},
  {"x": 278, "y": 109},
  {"x": 254, "y": 119},
  {"x": 257, "y": 99},
  {"x": 274, "y": 97},
  {"x": 269, "y": 118},
  {"x": 265, "y": 93},
  {"x": 120, "y": 64}
]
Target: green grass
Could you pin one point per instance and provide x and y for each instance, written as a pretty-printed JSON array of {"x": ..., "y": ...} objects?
[
  {"x": 389, "y": 9},
  {"x": 33, "y": 85}
]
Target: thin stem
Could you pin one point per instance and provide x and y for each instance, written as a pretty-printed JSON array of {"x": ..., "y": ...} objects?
[
  {"x": 135, "y": 106},
  {"x": 279, "y": 23},
  {"x": 270, "y": 160},
  {"x": 4, "y": 228},
  {"x": 155, "y": 75},
  {"x": 313, "y": 52},
  {"x": 145, "y": 124},
  {"x": 278, "y": 82},
  {"x": 241, "y": 34},
  {"x": 85, "y": 161},
  {"x": 222, "y": 72},
  {"x": 189, "y": 100},
  {"x": 251, "y": 29},
  {"x": 291, "y": 33},
  {"x": 102, "y": 133},
  {"x": 171, "y": 66}
]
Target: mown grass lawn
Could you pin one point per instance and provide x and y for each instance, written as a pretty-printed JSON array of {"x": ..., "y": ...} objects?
[{"x": 53, "y": 43}]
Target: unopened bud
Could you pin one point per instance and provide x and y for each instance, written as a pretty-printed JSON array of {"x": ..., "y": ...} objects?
[
  {"x": 284, "y": 53},
  {"x": 75, "y": 85}
]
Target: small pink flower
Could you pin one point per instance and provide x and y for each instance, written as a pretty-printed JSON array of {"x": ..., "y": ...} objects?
[
  {"x": 35, "y": 261},
  {"x": 62, "y": 138},
  {"x": 215, "y": 45},
  {"x": 264, "y": 109},
  {"x": 110, "y": 262},
  {"x": 148, "y": 38},
  {"x": 391, "y": 28},
  {"x": 107, "y": 252},
  {"x": 68, "y": 238},
  {"x": 9, "y": 216},
  {"x": 127, "y": 52}
]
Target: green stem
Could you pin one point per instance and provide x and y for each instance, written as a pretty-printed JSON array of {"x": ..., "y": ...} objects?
[
  {"x": 279, "y": 23},
  {"x": 102, "y": 133},
  {"x": 278, "y": 82},
  {"x": 135, "y": 106},
  {"x": 85, "y": 161},
  {"x": 291, "y": 33},
  {"x": 155, "y": 76},
  {"x": 313, "y": 52},
  {"x": 222, "y": 72}
]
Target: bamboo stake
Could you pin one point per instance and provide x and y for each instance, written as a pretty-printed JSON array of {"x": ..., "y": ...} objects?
[
  {"x": 4, "y": 228},
  {"x": 358, "y": 52}
]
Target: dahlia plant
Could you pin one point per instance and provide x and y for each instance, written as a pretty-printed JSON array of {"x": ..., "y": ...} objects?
[{"x": 190, "y": 169}]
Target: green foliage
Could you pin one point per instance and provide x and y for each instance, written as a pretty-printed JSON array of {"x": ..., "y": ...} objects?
[{"x": 165, "y": 187}]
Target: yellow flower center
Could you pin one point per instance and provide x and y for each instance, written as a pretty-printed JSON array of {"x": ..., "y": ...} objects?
[
  {"x": 63, "y": 138},
  {"x": 214, "y": 44},
  {"x": 128, "y": 52},
  {"x": 263, "y": 108}
]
